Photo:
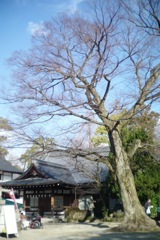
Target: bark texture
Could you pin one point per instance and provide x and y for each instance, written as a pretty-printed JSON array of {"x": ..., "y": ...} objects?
[{"x": 135, "y": 218}]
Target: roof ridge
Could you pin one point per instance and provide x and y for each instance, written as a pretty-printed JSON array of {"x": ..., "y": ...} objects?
[
  {"x": 42, "y": 162},
  {"x": 7, "y": 166}
]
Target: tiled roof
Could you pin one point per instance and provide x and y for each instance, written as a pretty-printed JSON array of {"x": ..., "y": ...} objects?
[
  {"x": 29, "y": 182},
  {"x": 56, "y": 171},
  {"x": 61, "y": 167},
  {"x": 65, "y": 167},
  {"x": 7, "y": 166}
]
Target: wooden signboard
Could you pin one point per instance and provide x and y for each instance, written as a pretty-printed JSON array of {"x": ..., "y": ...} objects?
[
  {"x": 2, "y": 223},
  {"x": 10, "y": 220}
]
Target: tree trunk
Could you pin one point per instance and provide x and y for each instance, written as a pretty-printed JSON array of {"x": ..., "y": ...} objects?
[{"x": 135, "y": 218}]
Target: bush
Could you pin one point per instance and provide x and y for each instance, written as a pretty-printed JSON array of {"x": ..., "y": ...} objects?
[
  {"x": 118, "y": 215},
  {"x": 105, "y": 212},
  {"x": 75, "y": 214}
]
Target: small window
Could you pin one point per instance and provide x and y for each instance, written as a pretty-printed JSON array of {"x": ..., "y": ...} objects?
[
  {"x": 58, "y": 201},
  {"x": 29, "y": 192},
  {"x": 66, "y": 191},
  {"x": 33, "y": 202},
  {"x": 7, "y": 177}
]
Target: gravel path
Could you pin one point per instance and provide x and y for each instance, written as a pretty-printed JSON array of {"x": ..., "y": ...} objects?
[{"x": 80, "y": 231}]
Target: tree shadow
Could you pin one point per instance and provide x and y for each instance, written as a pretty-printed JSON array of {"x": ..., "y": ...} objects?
[
  {"x": 130, "y": 236},
  {"x": 99, "y": 224},
  {"x": 118, "y": 236},
  {"x": 158, "y": 223}
]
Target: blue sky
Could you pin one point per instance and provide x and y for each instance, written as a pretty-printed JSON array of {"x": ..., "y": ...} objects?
[{"x": 18, "y": 20}]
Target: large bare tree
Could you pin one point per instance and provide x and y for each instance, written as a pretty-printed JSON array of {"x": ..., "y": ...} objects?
[
  {"x": 100, "y": 63},
  {"x": 145, "y": 15}
]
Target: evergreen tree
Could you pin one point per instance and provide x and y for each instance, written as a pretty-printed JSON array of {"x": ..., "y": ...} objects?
[
  {"x": 4, "y": 128},
  {"x": 144, "y": 164},
  {"x": 40, "y": 146}
]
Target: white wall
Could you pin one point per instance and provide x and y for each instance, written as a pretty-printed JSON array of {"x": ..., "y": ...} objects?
[{"x": 6, "y": 176}]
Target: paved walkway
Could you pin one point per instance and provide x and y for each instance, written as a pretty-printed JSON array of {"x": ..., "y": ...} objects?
[{"x": 81, "y": 231}]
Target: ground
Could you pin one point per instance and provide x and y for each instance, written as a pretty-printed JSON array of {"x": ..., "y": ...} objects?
[{"x": 80, "y": 231}]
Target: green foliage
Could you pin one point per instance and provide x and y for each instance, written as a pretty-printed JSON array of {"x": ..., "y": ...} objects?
[
  {"x": 105, "y": 212},
  {"x": 112, "y": 186},
  {"x": 141, "y": 127},
  {"x": 4, "y": 126},
  {"x": 119, "y": 215},
  {"x": 75, "y": 214},
  {"x": 129, "y": 134},
  {"x": 101, "y": 136},
  {"x": 154, "y": 203},
  {"x": 37, "y": 150},
  {"x": 146, "y": 171},
  {"x": 147, "y": 178},
  {"x": 106, "y": 217},
  {"x": 3, "y": 151},
  {"x": 144, "y": 166}
]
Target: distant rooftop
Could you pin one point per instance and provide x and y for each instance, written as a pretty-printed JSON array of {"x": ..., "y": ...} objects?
[{"x": 7, "y": 166}]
